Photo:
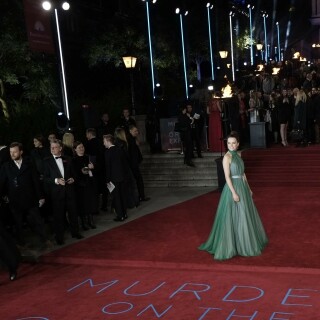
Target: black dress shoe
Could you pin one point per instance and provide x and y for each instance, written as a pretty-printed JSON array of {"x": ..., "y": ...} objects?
[
  {"x": 119, "y": 219},
  {"x": 190, "y": 164},
  {"x": 13, "y": 276},
  {"x": 200, "y": 155},
  {"x": 59, "y": 242},
  {"x": 144, "y": 199},
  {"x": 77, "y": 236}
]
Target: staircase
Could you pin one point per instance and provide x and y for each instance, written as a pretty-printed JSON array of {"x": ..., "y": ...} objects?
[
  {"x": 283, "y": 167},
  {"x": 168, "y": 170}
]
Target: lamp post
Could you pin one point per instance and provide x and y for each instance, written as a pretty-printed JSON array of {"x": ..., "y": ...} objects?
[
  {"x": 259, "y": 48},
  {"x": 130, "y": 63},
  {"x": 150, "y": 45},
  {"x": 278, "y": 34},
  {"x": 231, "y": 14},
  {"x": 47, "y": 5},
  {"x": 209, "y": 8},
  {"x": 265, "y": 16},
  {"x": 251, "y": 40},
  {"x": 178, "y": 11}
]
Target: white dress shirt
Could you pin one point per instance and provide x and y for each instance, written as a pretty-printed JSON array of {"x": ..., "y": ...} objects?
[{"x": 60, "y": 165}]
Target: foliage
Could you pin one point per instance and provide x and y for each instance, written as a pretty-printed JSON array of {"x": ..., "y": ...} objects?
[{"x": 28, "y": 90}]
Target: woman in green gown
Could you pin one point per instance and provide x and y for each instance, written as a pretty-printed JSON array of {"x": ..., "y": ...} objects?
[{"x": 237, "y": 229}]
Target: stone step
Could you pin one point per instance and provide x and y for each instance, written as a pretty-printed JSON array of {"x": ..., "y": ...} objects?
[
  {"x": 180, "y": 184},
  {"x": 176, "y": 166},
  {"x": 181, "y": 177},
  {"x": 168, "y": 170}
]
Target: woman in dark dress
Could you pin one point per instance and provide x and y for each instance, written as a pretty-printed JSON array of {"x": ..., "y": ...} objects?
[
  {"x": 86, "y": 187},
  {"x": 274, "y": 109},
  {"x": 133, "y": 195},
  {"x": 39, "y": 152},
  {"x": 284, "y": 115},
  {"x": 68, "y": 141}
]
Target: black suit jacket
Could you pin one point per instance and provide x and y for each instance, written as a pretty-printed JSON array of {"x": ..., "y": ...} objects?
[
  {"x": 117, "y": 167},
  {"x": 52, "y": 172},
  {"x": 135, "y": 155},
  {"x": 4, "y": 155},
  {"x": 22, "y": 185}
]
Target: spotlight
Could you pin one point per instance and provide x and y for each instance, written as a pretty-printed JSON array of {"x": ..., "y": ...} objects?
[
  {"x": 66, "y": 6},
  {"x": 46, "y": 5}
]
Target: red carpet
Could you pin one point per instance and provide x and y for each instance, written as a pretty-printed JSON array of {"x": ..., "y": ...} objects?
[{"x": 127, "y": 263}]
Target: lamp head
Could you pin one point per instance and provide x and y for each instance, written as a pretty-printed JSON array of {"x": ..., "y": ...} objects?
[
  {"x": 46, "y": 5},
  {"x": 65, "y": 5},
  {"x": 177, "y": 10}
]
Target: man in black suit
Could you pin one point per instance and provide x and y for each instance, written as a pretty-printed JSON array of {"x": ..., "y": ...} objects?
[
  {"x": 117, "y": 170},
  {"x": 20, "y": 180},
  {"x": 135, "y": 158},
  {"x": 195, "y": 130},
  {"x": 126, "y": 120},
  {"x": 94, "y": 148},
  {"x": 59, "y": 178}
]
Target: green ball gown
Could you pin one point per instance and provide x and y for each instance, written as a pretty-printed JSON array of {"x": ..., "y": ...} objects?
[{"x": 237, "y": 229}]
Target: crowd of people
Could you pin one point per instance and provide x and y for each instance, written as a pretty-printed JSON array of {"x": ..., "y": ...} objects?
[
  {"x": 62, "y": 184},
  {"x": 284, "y": 103}
]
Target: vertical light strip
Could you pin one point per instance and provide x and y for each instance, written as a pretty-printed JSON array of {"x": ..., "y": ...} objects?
[
  {"x": 251, "y": 40},
  {"x": 231, "y": 44},
  {"x": 210, "y": 43},
  {"x": 150, "y": 49},
  {"x": 64, "y": 93},
  {"x": 265, "y": 39},
  {"x": 279, "y": 48},
  {"x": 184, "y": 57}
]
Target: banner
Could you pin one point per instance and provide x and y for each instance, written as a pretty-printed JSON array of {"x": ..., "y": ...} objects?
[
  {"x": 38, "y": 23},
  {"x": 170, "y": 140}
]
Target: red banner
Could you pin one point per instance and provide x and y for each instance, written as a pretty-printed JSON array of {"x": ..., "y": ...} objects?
[{"x": 38, "y": 24}]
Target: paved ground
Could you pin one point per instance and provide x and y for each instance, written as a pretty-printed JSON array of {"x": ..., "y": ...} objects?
[{"x": 160, "y": 198}]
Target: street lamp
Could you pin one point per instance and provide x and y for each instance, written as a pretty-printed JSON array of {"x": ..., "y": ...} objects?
[
  {"x": 150, "y": 45},
  {"x": 178, "y": 11},
  {"x": 251, "y": 40},
  {"x": 47, "y": 5},
  {"x": 209, "y": 8},
  {"x": 223, "y": 54},
  {"x": 231, "y": 14},
  {"x": 130, "y": 63},
  {"x": 259, "y": 46}
]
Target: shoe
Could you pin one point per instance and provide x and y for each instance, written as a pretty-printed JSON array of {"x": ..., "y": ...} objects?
[
  {"x": 119, "y": 219},
  {"x": 77, "y": 236},
  {"x": 283, "y": 143},
  {"x": 125, "y": 216},
  {"x": 144, "y": 199},
  {"x": 47, "y": 245},
  {"x": 59, "y": 242},
  {"x": 200, "y": 155},
  {"x": 104, "y": 209},
  {"x": 190, "y": 164},
  {"x": 13, "y": 276},
  {"x": 91, "y": 222}
]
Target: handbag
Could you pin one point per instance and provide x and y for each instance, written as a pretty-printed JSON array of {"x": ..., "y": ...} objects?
[{"x": 296, "y": 135}]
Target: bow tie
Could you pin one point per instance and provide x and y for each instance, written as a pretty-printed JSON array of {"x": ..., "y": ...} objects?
[{"x": 58, "y": 157}]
